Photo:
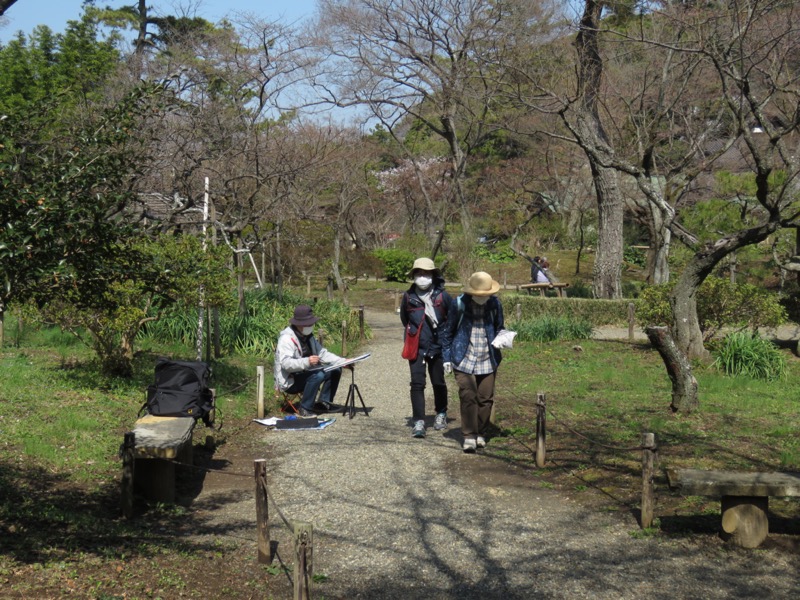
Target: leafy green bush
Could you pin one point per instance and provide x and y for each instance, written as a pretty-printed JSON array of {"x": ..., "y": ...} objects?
[
  {"x": 495, "y": 253},
  {"x": 720, "y": 303},
  {"x": 596, "y": 312},
  {"x": 396, "y": 263},
  {"x": 550, "y": 329},
  {"x": 580, "y": 289},
  {"x": 744, "y": 353},
  {"x": 255, "y": 333}
]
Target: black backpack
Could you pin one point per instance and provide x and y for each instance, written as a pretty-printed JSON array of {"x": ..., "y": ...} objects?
[{"x": 181, "y": 389}]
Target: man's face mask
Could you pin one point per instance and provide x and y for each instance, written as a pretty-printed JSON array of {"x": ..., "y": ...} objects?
[
  {"x": 480, "y": 299},
  {"x": 307, "y": 330},
  {"x": 423, "y": 282}
]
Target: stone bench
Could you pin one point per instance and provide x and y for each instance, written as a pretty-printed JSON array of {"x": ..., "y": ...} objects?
[
  {"x": 149, "y": 456},
  {"x": 744, "y": 498}
]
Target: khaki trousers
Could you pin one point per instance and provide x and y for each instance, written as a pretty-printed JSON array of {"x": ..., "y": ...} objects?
[{"x": 477, "y": 397}]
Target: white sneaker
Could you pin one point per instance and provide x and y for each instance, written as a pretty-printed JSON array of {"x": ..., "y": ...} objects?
[
  {"x": 469, "y": 445},
  {"x": 419, "y": 429},
  {"x": 440, "y": 422},
  {"x": 480, "y": 442}
]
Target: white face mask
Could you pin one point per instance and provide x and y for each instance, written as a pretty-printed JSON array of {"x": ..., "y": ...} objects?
[
  {"x": 423, "y": 282},
  {"x": 307, "y": 330},
  {"x": 480, "y": 299}
]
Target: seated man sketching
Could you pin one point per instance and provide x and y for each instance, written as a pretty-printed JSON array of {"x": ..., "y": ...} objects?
[{"x": 300, "y": 362}]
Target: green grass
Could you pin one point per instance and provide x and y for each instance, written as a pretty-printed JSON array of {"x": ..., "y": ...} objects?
[{"x": 615, "y": 391}]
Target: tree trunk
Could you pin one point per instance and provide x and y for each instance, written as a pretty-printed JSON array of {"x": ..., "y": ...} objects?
[
  {"x": 337, "y": 252},
  {"x": 685, "y": 324},
  {"x": 607, "y": 280},
  {"x": 660, "y": 243},
  {"x": 684, "y": 385},
  {"x": 583, "y": 120}
]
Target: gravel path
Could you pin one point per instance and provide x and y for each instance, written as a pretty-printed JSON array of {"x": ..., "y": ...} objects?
[{"x": 397, "y": 517}]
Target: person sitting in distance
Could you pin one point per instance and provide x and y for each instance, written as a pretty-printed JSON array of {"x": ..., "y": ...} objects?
[{"x": 299, "y": 362}]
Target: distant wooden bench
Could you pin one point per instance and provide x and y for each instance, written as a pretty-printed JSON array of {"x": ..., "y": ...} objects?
[
  {"x": 560, "y": 288},
  {"x": 744, "y": 498}
]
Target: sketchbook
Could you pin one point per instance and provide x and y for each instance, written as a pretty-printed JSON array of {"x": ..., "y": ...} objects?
[{"x": 347, "y": 361}]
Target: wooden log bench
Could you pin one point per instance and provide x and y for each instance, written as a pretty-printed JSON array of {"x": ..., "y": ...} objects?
[
  {"x": 159, "y": 442},
  {"x": 744, "y": 498},
  {"x": 560, "y": 288}
]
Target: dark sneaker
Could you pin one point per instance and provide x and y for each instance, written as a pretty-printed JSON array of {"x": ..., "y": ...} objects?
[
  {"x": 440, "y": 422},
  {"x": 419, "y": 429},
  {"x": 306, "y": 413}
]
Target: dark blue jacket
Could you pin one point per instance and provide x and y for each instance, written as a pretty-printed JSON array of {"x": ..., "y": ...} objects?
[
  {"x": 455, "y": 339},
  {"x": 412, "y": 312}
]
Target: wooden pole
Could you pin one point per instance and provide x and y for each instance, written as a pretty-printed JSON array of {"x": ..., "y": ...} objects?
[
  {"x": 303, "y": 560},
  {"x": 361, "y": 322},
  {"x": 505, "y": 280},
  {"x": 308, "y": 285},
  {"x": 541, "y": 428},
  {"x": 397, "y": 302},
  {"x": 262, "y": 512},
  {"x": 260, "y": 390},
  {"x": 631, "y": 320},
  {"x": 344, "y": 338},
  {"x": 518, "y": 309},
  {"x": 648, "y": 473},
  {"x": 128, "y": 462}
]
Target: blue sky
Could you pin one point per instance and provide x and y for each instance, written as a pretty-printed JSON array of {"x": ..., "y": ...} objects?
[{"x": 26, "y": 14}]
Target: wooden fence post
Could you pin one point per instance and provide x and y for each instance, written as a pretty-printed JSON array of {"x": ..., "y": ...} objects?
[
  {"x": 518, "y": 309},
  {"x": 128, "y": 451},
  {"x": 631, "y": 320},
  {"x": 303, "y": 559},
  {"x": 262, "y": 512},
  {"x": 260, "y": 392},
  {"x": 308, "y": 285},
  {"x": 361, "y": 322},
  {"x": 648, "y": 473},
  {"x": 541, "y": 428},
  {"x": 344, "y": 338},
  {"x": 397, "y": 302}
]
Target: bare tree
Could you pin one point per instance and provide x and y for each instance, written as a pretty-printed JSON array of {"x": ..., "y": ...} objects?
[{"x": 414, "y": 63}]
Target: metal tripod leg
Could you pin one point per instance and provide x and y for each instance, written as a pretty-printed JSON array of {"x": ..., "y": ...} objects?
[{"x": 350, "y": 404}]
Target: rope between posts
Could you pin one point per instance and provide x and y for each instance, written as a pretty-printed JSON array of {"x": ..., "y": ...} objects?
[
  {"x": 237, "y": 388},
  {"x": 228, "y": 473},
  {"x": 574, "y": 431}
]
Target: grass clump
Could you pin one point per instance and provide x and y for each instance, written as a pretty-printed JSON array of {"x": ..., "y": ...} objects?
[
  {"x": 746, "y": 354},
  {"x": 551, "y": 329}
]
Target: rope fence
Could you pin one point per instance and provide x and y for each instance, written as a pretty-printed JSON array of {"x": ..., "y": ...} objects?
[
  {"x": 647, "y": 447},
  {"x": 303, "y": 534}
]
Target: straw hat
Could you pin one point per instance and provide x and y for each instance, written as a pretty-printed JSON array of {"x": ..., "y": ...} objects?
[
  {"x": 423, "y": 264},
  {"x": 481, "y": 284}
]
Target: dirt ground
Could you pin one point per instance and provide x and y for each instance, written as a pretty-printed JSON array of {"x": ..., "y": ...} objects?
[{"x": 205, "y": 546}]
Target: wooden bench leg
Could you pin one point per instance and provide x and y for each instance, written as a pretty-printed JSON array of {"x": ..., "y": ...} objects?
[{"x": 744, "y": 520}]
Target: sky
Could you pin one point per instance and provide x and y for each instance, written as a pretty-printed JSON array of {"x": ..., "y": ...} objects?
[{"x": 26, "y": 14}]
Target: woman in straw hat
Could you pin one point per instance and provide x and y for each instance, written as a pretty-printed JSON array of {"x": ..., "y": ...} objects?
[
  {"x": 476, "y": 317},
  {"x": 424, "y": 309}
]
